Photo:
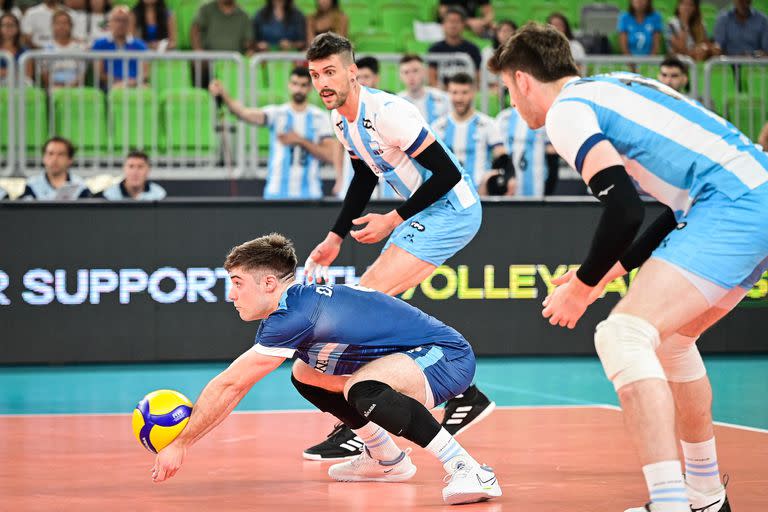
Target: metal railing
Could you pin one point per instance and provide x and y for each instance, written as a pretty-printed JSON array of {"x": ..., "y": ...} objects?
[
  {"x": 737, "y": 89},
  {"x": 8, "y": 134},
  {"x": 117, "y": 101}
]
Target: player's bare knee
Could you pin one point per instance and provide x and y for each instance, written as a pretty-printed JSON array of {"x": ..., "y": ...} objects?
[
  {"x": 626, "y": 345},
  {"x": 681, "y": 359}
]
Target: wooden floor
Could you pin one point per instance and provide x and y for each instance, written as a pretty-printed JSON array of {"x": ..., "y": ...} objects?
[{"x": 547, "y": 459}]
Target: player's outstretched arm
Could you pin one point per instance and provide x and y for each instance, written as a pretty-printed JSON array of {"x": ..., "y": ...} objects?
[
  {"x": 218, "y": 399},
  {"x": 249, "y": 115}
]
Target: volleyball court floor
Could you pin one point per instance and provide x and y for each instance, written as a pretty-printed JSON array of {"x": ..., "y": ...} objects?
[{"x": 556, "y": 442}]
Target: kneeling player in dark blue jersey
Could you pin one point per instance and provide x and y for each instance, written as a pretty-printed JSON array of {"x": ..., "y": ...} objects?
[{"x": 375, "y": 362}]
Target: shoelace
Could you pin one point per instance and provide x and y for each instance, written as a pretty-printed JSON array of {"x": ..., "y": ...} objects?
[
  {"x": 337, "y": 429},
  {"x": 461, "y": 470}
]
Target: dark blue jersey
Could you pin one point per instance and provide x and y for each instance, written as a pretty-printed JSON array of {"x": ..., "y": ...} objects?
[{"x": 337, "y": 329}]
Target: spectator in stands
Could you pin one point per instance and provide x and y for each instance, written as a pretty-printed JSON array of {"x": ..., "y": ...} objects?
[
  {"x": 10, "y": 41},
  {"x": 368, "y": 71},
  {"x": 301, "y": 137},
  {"x": 63, "y": 72},
  {"x": 77, "y": 9},
  {"x": 479, "y": 14},
  {"x": 674, "y": 73},
  {"x": 454, "y": 22},
  {"x": 36, "y": 26},
  {"x": 111, "y": 72},
  {"x": 328, "y": 17},
  {"x": 7, "y": 7},
  {"x": 762, "y": 139},
  {"x": 431, "y": 102},
  {"x": 686, "y": 34},
  {"x": 57, "y": 182},
  {"x": 97, "y": 19},
  {"x": 135, "y": 184},
  {"x": 742, "y": 30},
  {"x": 280, "y": 26},
  {"x": 505, "y": 29},
  {"x": 222, "y": 25},
  {"x": 155, "y": 24},
  {"x": 473, "y": 136},
  {"x": 560, "y": 22},
  {"x": 640, "y": 29}
]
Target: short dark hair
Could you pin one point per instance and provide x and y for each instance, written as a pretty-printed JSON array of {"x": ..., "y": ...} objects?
[
  {"x": 137, "y": 153},
  {"x": 369, "y": 62},
  {"x": 461, "y": 78},
  {"x": 410, "y": 57},
  {"x": 272, "y": 252},
  {"x": 456, "y": 9},
  {"x": 674, "y": 62},
  {"x": 301, "y": 72},
  {"x": 61, "y": 140},
  {"x": 330, "y": 43},
  {"x": 539, "y": 50},
  {"x": 648, "y": 8},
  {"x": 507, "y": 22}
]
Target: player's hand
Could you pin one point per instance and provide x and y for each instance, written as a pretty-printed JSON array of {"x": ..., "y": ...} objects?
[
  {"x": 511, "y": 186},
  {"x": 568, "y": 302},
  {"x": 377, "y": 226},
  {"x": 215, "y": 88},
  {"x": 316, "y": 266},
  {"x": 289, "y": 138},
  {"x": 168, "y": 462}
]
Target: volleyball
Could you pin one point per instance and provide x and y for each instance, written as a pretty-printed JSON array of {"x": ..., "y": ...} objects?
[{"x": 160, "y": 417}]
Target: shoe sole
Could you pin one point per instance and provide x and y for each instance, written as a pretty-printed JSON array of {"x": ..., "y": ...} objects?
[
  {"x": 318, "y": 457},
  {"x": 469, "y": 497},
  {"x": 400, "y": 477},
  {"x": 480, "y": 417}
]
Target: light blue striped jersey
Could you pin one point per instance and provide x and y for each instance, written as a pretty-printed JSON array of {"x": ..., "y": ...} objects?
[
  {"x": 528, "y": 150},
  {"x": 471, "y": 140},
  {"x": 432, "y": 104},
  {"x": 292, "y": 172},
  {"x": 673, "y": 147},
  {"x": 382, "y": 191},
  {"x": 386, "y": 132},
  {"x": 336, "y": 329}
]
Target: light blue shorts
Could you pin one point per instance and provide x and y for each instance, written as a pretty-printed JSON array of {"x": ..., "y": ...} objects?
[
  {"x": 448, "y": 370},
  {"x": 438, "y": 232},
  {"x": 721, "y": 240}
]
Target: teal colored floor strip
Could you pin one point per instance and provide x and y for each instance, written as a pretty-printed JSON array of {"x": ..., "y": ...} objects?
[{"x": 740, "y": 386}]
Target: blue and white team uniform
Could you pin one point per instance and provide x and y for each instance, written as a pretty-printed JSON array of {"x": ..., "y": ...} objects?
[
  {"x": 383, "y": 189},
  {"x": 710, "y": 174},
  {"x": 471, "y": 140},
  {"x": 292, "y": 172},
  {"x": 528, "y": 150},
  {"x": 432, "y": 105},
  {"x": 337, "y": 329},
  {"x": 387, "y": 131}
]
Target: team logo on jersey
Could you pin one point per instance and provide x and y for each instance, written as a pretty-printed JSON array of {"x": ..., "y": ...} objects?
[
  {"x": 417, "y": 226},
  {"x": 375, "y": 148},
  {"x": 368, "y": 125}
]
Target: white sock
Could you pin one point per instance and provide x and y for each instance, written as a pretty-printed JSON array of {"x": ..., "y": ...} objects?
[
  {"x": 380, "y": 444},
  {"x": 701, "y": 471},
  {"x": 666, "y": 486},
  {"x": 448, "y": 451}
]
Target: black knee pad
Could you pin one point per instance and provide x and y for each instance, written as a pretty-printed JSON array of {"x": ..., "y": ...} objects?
[{"x": 333, "y": 403}]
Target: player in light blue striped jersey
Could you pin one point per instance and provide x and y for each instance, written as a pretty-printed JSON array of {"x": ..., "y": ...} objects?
[
  {"x": 699, "y": 258},
  {"x": 431, "y": 102},
  {"x": 528, "y": 150},
  {"x": 473, "y": 136},
  {"x": 300, "y": 137}
]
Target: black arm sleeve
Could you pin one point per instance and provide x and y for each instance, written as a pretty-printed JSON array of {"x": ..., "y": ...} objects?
[
  {"x": 445, "y": 175},
  {"x": 650, "y": 239},
  {"x": 623, "y": 213},
  {"x": 553, "y": 173},
  {"x": 504, "y": 162},
  {"x": 358, "y": 195}
]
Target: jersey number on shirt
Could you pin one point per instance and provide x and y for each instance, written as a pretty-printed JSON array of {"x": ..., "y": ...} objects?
[
  {"x": 324, "y": 290},
  {"x": 301, "y": 158}
]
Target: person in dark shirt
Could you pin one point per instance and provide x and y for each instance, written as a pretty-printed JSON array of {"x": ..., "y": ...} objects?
[
  {"x": 479, "y": 14},
  {"x": 454, "y": 23}
]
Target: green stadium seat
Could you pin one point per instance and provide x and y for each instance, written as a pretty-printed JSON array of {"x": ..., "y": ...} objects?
[
  {"x": 389, "y": 77},
  {"x": 188, "y": 117},
  {"x": 747, "y": 113},
  {"x": 723, "y": 86},
  {"x": 361, "y": 17},
  {"x": 417, "y": 47},
  {"x": 541, "y": 11},
  {"x": 226, "y": 72},
  {"x": 185, "y": 14},
  {"x": 79, "y": 116},
  {"x": 395, "y": 17},
  {"x": 709, "y": 16},
  {"x": 170, "y": 74},
  {"x": 517, "y": 12},
  {"x": 377, "y": 42},
  {"x": 36, "y": 117},
  {"x": 134, "y": 119}
]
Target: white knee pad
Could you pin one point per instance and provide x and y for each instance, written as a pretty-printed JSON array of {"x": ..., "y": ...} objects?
[
  {"x": 627, "y": 346},
  {"x": 681, "y": 359}
]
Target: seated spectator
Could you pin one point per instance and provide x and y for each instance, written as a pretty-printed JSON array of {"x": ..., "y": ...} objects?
[
  {"x": 63, "y": 72},
  {"x": 327, "y": 18},
  {"x": 560, "y": 22},
  {"x": 97, "y": 19},
  {"x": 479, "y": 14},
  {"x": 368, "y": 71},
  {"x": 279, "y": 26},
  {"x": 686, "y": 34},
  {"x": 742, "y": 30},
  {"x": 640, "y": 29},
  {"x": 135, "y": 184},
  {"x": 505, "y": 29},
  {"x": 10, "y": 41},
  {"x": 56, "y": 183},
  {"x": 7, "y": 7},
  {"x": 77, "y": 10},
  {"x": 454, "y": 22},
  {"x": 431, "y": 102},
  {"x": 36, "y": 26},
  {"x": 222, "y": 25},
  {"x": 111, "y": 72},
  {"x": 155, "y": 24},
  {"x": 674, "y": 73}
]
